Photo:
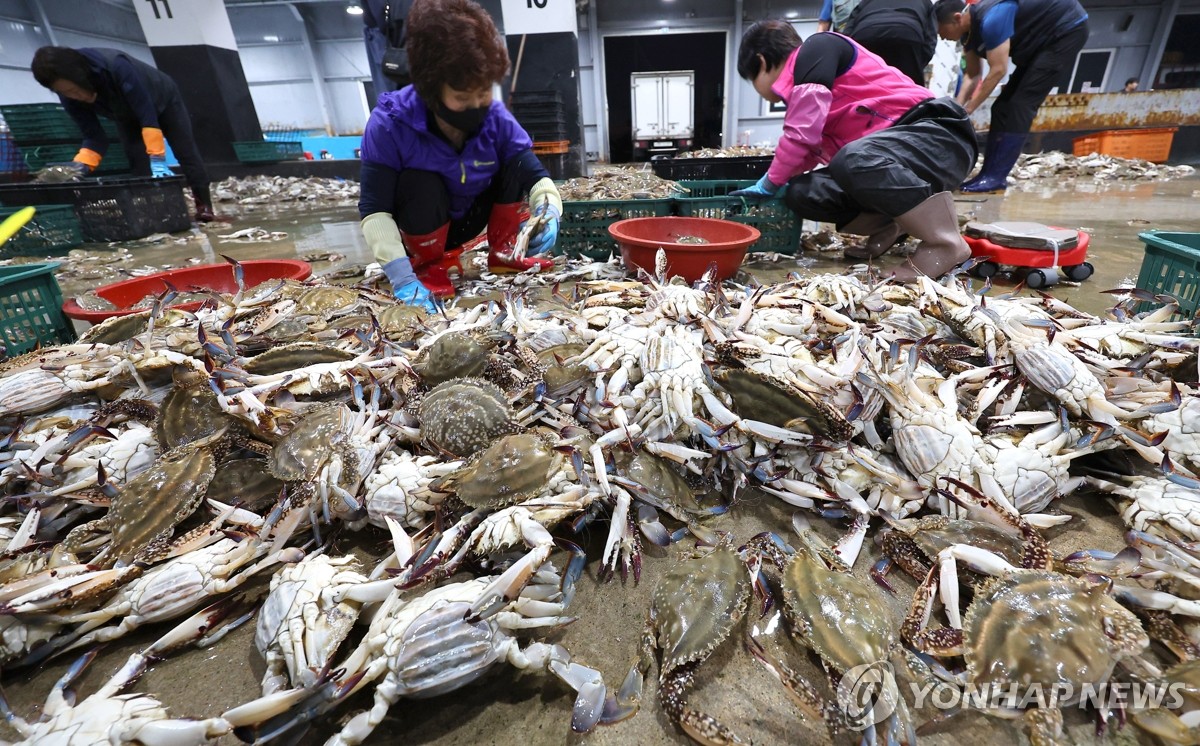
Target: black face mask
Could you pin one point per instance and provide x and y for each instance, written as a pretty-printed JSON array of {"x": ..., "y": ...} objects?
[{"x": 467, "y": 120}]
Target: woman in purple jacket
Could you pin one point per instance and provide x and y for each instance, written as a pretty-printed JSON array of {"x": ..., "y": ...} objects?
[
  {"x": 892, "y": 151},
  {"x": 442, "y": 161}
]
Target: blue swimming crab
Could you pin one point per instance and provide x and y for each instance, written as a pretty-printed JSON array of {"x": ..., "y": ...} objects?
[
  {"x": 842, "y": 619},
  {"x": 695, "y": 608},
  {"x": 463, "y": 415},
  {"x": 1027, "y": 624}
]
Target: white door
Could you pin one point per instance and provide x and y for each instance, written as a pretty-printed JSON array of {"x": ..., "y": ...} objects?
[
  {"x": 647, "y": 107},
  {"x": 678, "y": 104}
]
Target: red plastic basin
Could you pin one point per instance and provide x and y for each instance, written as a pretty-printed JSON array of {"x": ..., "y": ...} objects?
[
  {"x": 217, "y": 277},
  {"x": 641, "y": 238}
]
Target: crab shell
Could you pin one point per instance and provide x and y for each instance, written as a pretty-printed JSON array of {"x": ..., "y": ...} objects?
[
  {"x": 764, "y": 398},
  {"x": 156, "y": 500},
  {"x": 561, "y": 377},
  {"x": 189, "y": 414},
  {"x": 296, "y": 355},
  {"x": 512, "y": 470},
  {"x": 116, "y": 329},
  {"x": 301, "y": 453},
  {"x": 322, "y": 299},
  {"x": 402, "y": 323},
  {"x": 1033, "y": 626},
  {"x": 657, "y": 477},
  {"x": 247, "y": 481},
  {"x": 454, "y": 355},
  {"x": 842, "y": 618},
  {"x": 464, "y": 415},
  {"x": 696, "y": 605}
]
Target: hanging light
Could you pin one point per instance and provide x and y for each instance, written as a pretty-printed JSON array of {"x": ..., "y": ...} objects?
[{"x": 354, "y": 9}]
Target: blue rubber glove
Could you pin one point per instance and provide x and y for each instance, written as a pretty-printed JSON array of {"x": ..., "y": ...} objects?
[
  {"x": 764, "y": 189},
  {"x": 406, "y": 287},
  {"x": 158, "y": 167},
  {"x": 545, "y": 239}
]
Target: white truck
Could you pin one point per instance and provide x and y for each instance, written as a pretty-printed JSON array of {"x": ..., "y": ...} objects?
[{"x": 663, "y": 112}]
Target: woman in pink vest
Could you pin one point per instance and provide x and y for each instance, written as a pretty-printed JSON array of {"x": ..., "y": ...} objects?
[{"x": 892, "y": 151}]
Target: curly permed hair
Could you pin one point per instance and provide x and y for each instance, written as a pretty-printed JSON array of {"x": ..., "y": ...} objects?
[{"x": 454, "y": 43}]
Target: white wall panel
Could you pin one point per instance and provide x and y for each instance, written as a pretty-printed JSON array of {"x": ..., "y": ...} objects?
[
  {"x": 348, "y": 107},
  {"x": 342, "y": 59},
  {"x": 290, "y": 104}
]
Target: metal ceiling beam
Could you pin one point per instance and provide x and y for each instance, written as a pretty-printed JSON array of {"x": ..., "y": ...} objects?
[
  {"x": 314, "y": 69},
  {"x": 44, "y": 19}
]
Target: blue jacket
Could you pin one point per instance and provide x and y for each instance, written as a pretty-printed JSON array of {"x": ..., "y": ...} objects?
[{"x": 397, "y": 136}]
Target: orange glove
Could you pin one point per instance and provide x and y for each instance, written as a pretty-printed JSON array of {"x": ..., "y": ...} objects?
[
  {"x": 153, "y": 138},
  {"x": 89, "y": 157}
]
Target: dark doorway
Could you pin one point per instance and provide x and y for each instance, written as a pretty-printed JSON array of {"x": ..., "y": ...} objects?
[
  {"x": 1180, "y": 65},
  {"x": 702, "y": 52}
]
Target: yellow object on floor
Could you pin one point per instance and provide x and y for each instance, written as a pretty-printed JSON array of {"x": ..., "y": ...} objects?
[{"x": 14, "y": 223}]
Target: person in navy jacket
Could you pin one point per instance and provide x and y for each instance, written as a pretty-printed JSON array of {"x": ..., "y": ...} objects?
[
  {"x": 442, "y": 160},
  {"x": 143, "y": 101}
]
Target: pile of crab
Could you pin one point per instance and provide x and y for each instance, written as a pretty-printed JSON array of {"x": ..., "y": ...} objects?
[{"x": 156, "y": 469}]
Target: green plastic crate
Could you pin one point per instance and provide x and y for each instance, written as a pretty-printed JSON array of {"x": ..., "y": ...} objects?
[
  {"x": 40, "y": 124},
  {"x": 31, "y": 309},
  {"x": 40, "y": 156},
  {"x": 53, "y": 231},
  {"x": 779, "y": 226},
  {"x": 583, "y": 229},
  {"x": 268, "y": 151},
  {"x": 1171, "y": 265}
]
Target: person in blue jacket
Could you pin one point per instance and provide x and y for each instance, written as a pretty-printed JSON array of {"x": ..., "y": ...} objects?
[
  {"x": 1041, "y": 38},
  {"x": 142, "y": 100},
  {"x": 442, "y": 161}
]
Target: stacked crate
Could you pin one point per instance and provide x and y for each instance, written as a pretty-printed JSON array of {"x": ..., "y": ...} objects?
[
  {"x": 544, "y": 117},
  {"x": 46, "y": 133}
]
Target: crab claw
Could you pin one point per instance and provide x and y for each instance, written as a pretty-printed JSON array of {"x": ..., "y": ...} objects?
[
  {"x": 651, "y": 527},
  {"x": 275, "y": 715},
  {"x": 1121, "y": 564},
  {"x": 627, "y": 700},
  {"x": 574, "y": 569},
  {"x": 879, "y": 573},
  {"x": 589, "y": 704},
  {"x": 1173, "y": 475}
]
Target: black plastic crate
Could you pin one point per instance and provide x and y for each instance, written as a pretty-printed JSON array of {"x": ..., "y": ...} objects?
[
  {"x": 521, "y": 98},
  {"x": 547, "y": 134},
  {"x": 538, "y": 110},
  {"x": 704, "y": 169},
  {"x": 542, "y": 120},
  {"x": 112, "y": 208},
  {"x": 41, "y": 124}
]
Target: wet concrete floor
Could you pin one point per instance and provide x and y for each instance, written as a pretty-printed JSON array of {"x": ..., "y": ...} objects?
[{"x": 508, "y": 708}]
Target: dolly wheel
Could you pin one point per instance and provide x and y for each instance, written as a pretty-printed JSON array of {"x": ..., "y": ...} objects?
[
  {"x": 1079, "y": 272},
  {"x": 1040, "y": 279},
  {"x": 984, "y": 270}
]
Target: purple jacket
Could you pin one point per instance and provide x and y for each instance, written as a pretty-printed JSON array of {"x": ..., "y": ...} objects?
[{"x": 398, "y": 137}]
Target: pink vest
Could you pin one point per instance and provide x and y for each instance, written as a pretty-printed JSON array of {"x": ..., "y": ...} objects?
[{"x": 819, "y": 122}]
